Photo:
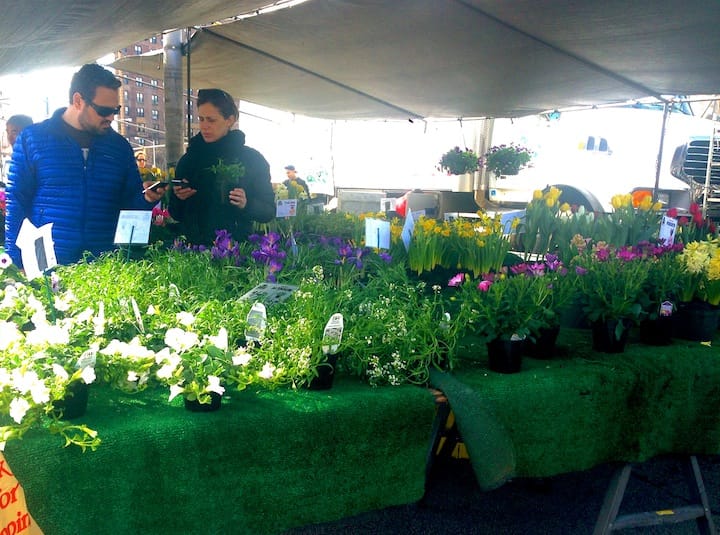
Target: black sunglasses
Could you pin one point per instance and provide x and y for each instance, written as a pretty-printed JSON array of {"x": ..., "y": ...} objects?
[{"x": 102, "y": 111}]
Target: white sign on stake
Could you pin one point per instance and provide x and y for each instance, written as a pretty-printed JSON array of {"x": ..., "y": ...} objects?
[
  {"x": 133, "y": 227},
  {"x": 37, "y": 248},
  {"x": 377, "y": 233},
  {"x": 286, "y": 208},
  {"x": 668, "y": 227}
]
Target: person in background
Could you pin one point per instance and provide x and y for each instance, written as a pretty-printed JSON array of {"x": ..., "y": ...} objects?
[
  {"x": 141, "y": 159},
  {"x": 14, "y": 125},
  {"x": 226, "y": 184},
  {"x": 74, "y": 171},
  {"x": 291, "y": 173}
]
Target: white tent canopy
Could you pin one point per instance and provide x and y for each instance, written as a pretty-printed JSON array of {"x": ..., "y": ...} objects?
[
  {"x": 396, "y": 58},
  {"x": 37, "y": 34},
  {"x": 457, "y": 58}
]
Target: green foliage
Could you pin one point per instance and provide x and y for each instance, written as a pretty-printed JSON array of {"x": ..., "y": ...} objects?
[{"x": 459, "y": 162}]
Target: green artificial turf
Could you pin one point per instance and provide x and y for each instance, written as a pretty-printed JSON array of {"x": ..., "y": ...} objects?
[
  {"x": 265, "y": 462},
  {"x": 583, "y": 408}
]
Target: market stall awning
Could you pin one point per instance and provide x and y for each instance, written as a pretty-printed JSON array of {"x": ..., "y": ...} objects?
[
  {"x": 396, "y": 58},
  {"x": 457, "y": 58},
  {"x": 38, "y": 34}
]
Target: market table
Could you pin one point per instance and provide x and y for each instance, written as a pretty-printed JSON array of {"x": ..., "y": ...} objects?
[
  {"x": 266, "y": 461},
  {"x": 584, "y": 408},
  {"x": 270, "y": 460}
]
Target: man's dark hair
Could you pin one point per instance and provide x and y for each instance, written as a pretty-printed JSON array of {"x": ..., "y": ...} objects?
[
  {"x": 21, "y": 121},
  {"x": 89, "y": 78}
]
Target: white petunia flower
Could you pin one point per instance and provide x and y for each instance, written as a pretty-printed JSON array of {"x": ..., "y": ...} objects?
[
  {"x": 99, "y": 320},
  {"x": 85, "y": 315},
  {"x": 40, "y": 392},
  {"x": 180, "y": 340},
  {"x": 9, "y": 334},
  {"x": 18, "y": 409},
  {"x": 214, "y": 385},
  {"x": 5, "y": 261},
  {"x": 221, "y": 340},
  {"x": 151, "y": 310},
  {"x": 60, "y": 372},
  {"x": 88, "y": 374},
  {"x": 61, "y": 304},
  {"x": 267, "y": 371},
  {"x": 241, "y": 357},
  {"x": 175, "y": 390},
  {"x": 48, "y": 334},
  {"x": 185, "y": 318}
]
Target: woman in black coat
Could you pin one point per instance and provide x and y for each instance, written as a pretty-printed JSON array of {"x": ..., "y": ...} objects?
[{"x": 225, "y": 184}]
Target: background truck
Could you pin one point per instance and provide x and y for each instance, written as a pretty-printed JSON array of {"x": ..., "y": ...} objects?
[{"x": 592, "y": 155}]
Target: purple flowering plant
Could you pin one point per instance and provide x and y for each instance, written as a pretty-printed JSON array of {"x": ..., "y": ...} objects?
[
  {"x": 504, "y": 304},
  {"x": 611, "y": 281}
]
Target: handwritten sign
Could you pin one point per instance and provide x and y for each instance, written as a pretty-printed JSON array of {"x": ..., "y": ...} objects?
[{"x": 14, "y": 514}]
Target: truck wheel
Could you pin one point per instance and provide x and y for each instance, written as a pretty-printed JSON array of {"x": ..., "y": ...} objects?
[{"x": 573, "y": 198}]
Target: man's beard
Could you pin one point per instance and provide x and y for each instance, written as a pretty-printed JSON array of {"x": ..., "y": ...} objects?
[{"x": 88, "y": 126}]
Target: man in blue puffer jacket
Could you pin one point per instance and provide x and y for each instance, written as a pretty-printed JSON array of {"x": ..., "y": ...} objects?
[{"x": 75, "y": 171}]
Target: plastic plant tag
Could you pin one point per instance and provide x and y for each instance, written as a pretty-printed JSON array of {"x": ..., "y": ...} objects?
[
  {"x": 256, "y": 322},
  {"x": 666, "y": 308},
  {"x": 445, "y": 321},
  {"x": 87, "y": 359},
  {"x": 333, "y": 334}
]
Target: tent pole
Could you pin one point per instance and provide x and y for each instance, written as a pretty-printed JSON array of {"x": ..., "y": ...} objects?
[
  {"x": 173, "y": 97},
  {"x": 658, "y": 162},
  {"x": 188, "y": 102}
]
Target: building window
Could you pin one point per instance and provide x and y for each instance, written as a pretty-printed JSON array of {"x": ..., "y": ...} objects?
[
  {"x": 141, "y": 128},
  {"x": 140, "y": 97},
  {"x": 126, "y": 109},
  {"x": 126, "y": 95},
  {"x": 154, "y": 99},
  {"x": 138, "y": 81},
  {"x": 153, "y": 83},
  {"x": 153, "y": 39},
  {"x": 138, "y": 49},
  {"x": 141, "y": 112},
  {"x": 155, "y": 114}
]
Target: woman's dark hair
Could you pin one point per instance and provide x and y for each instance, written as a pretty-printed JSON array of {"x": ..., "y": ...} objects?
[
  {"x": 220, "y": 99},
  {"x": 89, "y": 78}
]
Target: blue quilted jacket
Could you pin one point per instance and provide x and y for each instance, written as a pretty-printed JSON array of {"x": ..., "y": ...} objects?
[{"x": 50, "y": 181}]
